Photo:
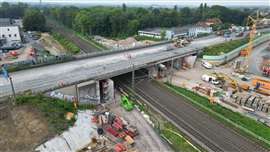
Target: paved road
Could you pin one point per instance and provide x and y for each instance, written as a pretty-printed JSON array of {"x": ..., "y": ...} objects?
[
  {"x": 255, "y": 58},
  {"x": 53, "y": 76},
  {"x": 207, "y": 130},
  {"x": 71, "y": 36}
]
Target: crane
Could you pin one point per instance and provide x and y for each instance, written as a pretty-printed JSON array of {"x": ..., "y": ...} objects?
[{"x": 247, "y": 51}]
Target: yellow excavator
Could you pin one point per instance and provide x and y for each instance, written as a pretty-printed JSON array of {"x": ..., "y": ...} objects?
[{"x": 226, "y": 79}]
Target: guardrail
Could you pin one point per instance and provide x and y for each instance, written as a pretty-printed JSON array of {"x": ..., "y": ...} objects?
[
  {"x": 28, "y": 64},
  {"x": 224, "y": 58}
]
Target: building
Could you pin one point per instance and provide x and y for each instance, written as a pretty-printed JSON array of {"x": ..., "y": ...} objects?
[
  {"x": 150, "y": 34},
  {"x": 176, "y": 32},
  {"x": 197, "y": 30},
  {"x": 169, "y": 33},
  {"x": 5, "y": 22},
  {"x": 18, "y": 22},
  {"x": 9, "y": 33}
]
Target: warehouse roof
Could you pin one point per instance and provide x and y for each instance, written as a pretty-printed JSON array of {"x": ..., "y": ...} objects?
[{"x": 5, "y": 21}]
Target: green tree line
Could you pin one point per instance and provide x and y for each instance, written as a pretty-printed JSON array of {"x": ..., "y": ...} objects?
[
  {"x": 126, "y": 21},
  {"x": 8, "y": 10},
  {"x": 33, "y": 19}
]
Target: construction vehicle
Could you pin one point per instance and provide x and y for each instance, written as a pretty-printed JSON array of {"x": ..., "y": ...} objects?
[
  {"x": 210, "y": 78},
  {"x": 261, "y": 83},
  {"x": 223, "y": 78},
  {"x": 261, "y": 86},
  {"x": 265, "y": 66},
  {"x": 126, "y": 103},
  {"x": 180, "y": 42}
]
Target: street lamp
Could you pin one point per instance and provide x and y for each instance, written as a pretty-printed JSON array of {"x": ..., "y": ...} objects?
[
  {"x": 7, "y": 76},
  {"x": 129, "y": 57}
]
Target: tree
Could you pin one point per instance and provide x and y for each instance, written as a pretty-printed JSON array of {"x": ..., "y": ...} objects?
[
  {"x": 33, "y": 20},
  {"x": 124, "y": 7},
  {"x": 175, "y": 8},
  {"x": 133, "y": 26},
  {"x": 163, "y": 34}
]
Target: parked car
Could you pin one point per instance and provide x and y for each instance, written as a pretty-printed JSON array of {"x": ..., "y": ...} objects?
[{"x": 207, "y": 65}]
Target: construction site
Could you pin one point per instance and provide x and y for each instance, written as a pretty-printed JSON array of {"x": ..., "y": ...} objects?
[{"x": 119, "y": 79}]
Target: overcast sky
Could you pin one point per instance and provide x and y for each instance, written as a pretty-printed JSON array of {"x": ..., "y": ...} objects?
[{"x": 158, "y": 2}]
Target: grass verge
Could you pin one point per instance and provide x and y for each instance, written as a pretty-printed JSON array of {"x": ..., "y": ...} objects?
[
  {"x": 177, "y": 141},
  {"x": 54, "y": 110},
  {"x": 92, "y": 42},
  {"x": 71, "y": 47},
  {"x": 244, "y": 125},
  {"x": 224, "y": 48},
  {"x": 173, "y": 136}
]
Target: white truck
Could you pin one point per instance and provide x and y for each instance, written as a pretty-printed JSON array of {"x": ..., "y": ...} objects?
[
  {"x": 210, "y": 79},
  {"x": 207, "y": 65}
]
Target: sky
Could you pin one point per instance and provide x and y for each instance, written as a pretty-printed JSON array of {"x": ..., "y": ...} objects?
[{"x": 156, "y": 2}]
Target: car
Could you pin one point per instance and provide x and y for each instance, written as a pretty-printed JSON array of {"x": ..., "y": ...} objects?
[{"x": 207, "y": 65}]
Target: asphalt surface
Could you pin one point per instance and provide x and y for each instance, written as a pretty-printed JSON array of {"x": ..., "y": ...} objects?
[
  {"x": 200, "y": 125},
  {"x": 256, "y": 58},
  {"x": 71, "y": 36},
  {"x": 54, "y": 76}
]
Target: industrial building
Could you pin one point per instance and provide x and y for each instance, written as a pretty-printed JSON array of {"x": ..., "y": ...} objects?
[
  {"x": 9, "y": 32},
  {"x": 176, "y": 32},
  {"x": 197, "y": 30}
]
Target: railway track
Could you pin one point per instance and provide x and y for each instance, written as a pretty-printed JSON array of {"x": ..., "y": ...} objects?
[
  {"x": 203, "y": 130},
  {"x": 209, "y": 145}
]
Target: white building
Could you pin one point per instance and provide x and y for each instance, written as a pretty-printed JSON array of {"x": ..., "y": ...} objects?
[
  {"x": 10, "y": 33},
  {"x": 150, "y": 34},
  {"x": 18, "y": 22},
  {"x": 196, "y": 30},
  {"x": 169, "y": 33}
]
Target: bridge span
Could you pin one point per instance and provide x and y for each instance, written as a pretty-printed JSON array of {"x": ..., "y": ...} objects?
[{"x": 52, "y": 77}]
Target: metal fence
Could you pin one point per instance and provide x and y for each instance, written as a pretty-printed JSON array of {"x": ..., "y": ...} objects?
[
  {"x": 33, "y": 63},
  {"x": 39, "y": 62},
  {"x": 224, "y": 58}
]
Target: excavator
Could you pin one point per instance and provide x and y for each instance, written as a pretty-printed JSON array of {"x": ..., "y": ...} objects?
[{"x": 226, "y": 79}]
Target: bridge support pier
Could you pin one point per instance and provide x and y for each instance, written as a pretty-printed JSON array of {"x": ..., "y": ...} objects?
[{"x": 133, "y": 79}]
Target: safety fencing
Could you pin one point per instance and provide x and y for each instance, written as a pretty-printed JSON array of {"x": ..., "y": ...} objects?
[
  {"x": 224, "y": 58},
  {"x": 34, "y": 63}
]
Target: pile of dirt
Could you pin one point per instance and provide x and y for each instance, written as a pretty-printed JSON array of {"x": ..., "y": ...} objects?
[
  {"x": 48, "y": 42},
  {"x": 23, "y": 129}
]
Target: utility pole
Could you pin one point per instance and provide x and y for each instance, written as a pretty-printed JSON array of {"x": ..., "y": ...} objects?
[
  {"x": 171, "y": 71},
  {"x": 133, "y": 77},
  {"x": 133, "y": 70},
  {"x": 12, "y": 87},
  {"x": 76, "y": 102},
  {"x": 7, "y": 76}
]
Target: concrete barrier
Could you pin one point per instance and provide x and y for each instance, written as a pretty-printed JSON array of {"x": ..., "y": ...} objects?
[{"x": 224, "y": 58}]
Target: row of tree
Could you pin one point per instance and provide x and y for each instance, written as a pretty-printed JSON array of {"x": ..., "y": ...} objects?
[
  {"x": 122, "y": 22},
  {"x": 33, "y": 19},
  {"x": 12, "y": 10},
  {"x": 117, "y": 21}
]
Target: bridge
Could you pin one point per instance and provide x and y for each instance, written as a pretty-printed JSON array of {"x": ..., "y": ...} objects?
[{"x": 56, "y": 76}]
